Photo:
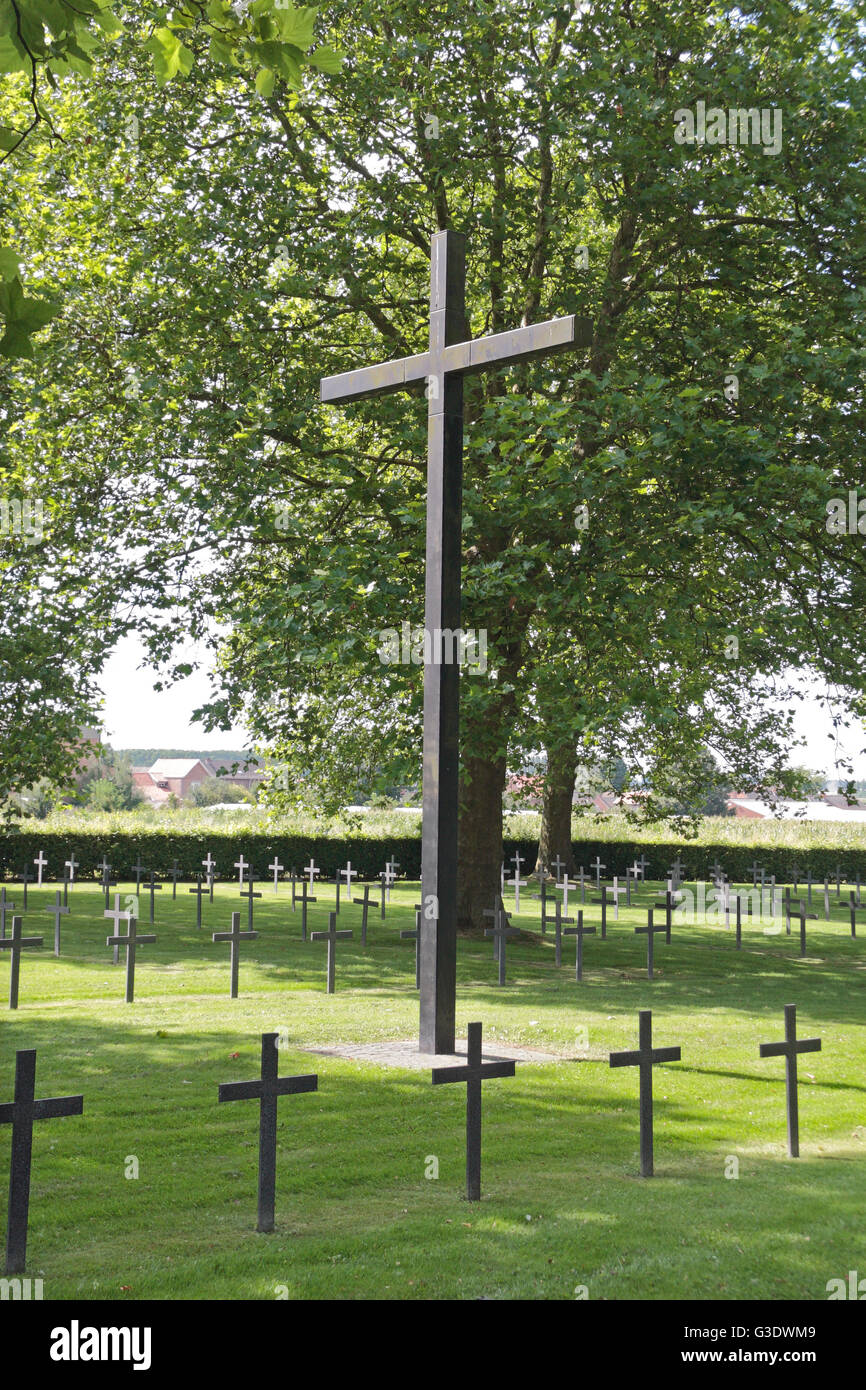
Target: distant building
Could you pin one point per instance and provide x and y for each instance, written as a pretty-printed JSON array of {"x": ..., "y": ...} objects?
[
  {"x": 751, "y": 808},
  {"x": 178, "y": 776}
]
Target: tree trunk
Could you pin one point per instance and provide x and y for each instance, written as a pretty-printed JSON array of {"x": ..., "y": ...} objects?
[
  {"x": 482, "y": 784},
  {"x": 555, "y": 837}
]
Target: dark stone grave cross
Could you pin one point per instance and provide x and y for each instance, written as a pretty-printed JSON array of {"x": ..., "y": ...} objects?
[
  {"x": 107, "y": 882},
  {"x": 250, "y": 895},
  {"x": 668, "y": 905},
  {"x": 676, "y": 871},
  {"x": 365, "y": 908},
  {"x": 798, "y": 907},
  {"x": 332, "y": 936},
  {"x": 115, "y": 914},
  {"x": 501, "y": 932},
  {"x": 383, "y": 881},
  {"x": 717, "y": 871},
  {"x": 649, "y": 932},
  {"x": 854, "y": 907},
  {"x": 498, "y": 906},
  {"x": 5, "y": 906},
  {"x": 40, "y": 861},
  {"x": 139, "y": 870},
  {"x": 645, "y": 1058},
  {"x": 579, "y": 931},
  {"x": 21, "y": 1113},
  {"x": 559, "y": 923},
  {"x": 641, "y": 865},
  {"x": 14, "y": 945},
  {"x": 603, "y": 901},
  {"x": 416, "y": 937},
  {"x": 66, "y": 885},
  {"x": 391, "y": 866},
  {"x": 235, "y": 936},
  {"x": 755, "y": 869},
  {"x": 277, "y": 868},
  {"x": 443, "y": 366},
  {"x": 543, "y": 879},
  {"x": 266, "y": 1091},
  {"x": 175, "y": 875},
  {"x": 199, "y": 894},
  {"x": 795, "y": 875},
  {"x": 57, "y": 911},
  {"x": 305, "y": 899},
  {"x": 789, "y": 1049},
  {"x": 557, "y": 865},
  {"x": 24, "y": 878},
  {"x": 154, "y": 888},
  {"x": 474, "y": 1073},
  {"x": 130, "y": 941}
]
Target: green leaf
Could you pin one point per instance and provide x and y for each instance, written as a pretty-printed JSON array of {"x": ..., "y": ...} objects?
[
  {"x": 296, "y": 25},
  {"x": 327, "y": 59},
  {"x": 169, "y": 55},
  {"x": 265, "y": 82},
  {"x": 8, "y": 263}
]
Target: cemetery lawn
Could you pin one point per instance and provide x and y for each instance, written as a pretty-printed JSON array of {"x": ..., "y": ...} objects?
[{"x": 562, "y": 1204}]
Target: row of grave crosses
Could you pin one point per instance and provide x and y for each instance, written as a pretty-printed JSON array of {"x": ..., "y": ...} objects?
[
  {"x": 24, "y": 1109},
  {"x": 17, "y": 942}
]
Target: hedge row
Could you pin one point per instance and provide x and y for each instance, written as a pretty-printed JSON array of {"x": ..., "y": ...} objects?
[{"x": 159, "y": 848}]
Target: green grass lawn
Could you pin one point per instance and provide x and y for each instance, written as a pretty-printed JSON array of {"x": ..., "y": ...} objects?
[{"x": 562, "y": 1203}]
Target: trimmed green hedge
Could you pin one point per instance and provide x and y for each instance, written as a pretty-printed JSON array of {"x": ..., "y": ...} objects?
[{"x": 158, "y": 848}]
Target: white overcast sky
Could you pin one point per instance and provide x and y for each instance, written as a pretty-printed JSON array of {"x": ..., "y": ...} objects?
[{"x": 136, "y": 716}]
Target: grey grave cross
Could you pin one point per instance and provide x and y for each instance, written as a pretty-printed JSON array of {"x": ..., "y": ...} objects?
[
  {"x": 277, "y": 868},
  {"x": 645, "y": 1058},
  {"x": 365, "y": 908},
  {"x": 649, "y": 932},
  {"x": 235, "y": 936},
  {"x": 57, "y": 911},
  {"x": 175, "y": 875},
  {"x": 209, "y": 866},
  {"x": 153, "y": 887},
  {"x": 199, "y": 894},
  {"x": 598, "y": 866},
  {"x": 115, "y": 914},
  {"x": 266, "y": 1092},
  {"x": 501, "y": 933},
  {"x": 789, "y": 1049},
  {"x": 250, "y": 895},
  {"x": 332, "y": 936},
  {"x": 14, "y": 945},
  {"x": 40, "y": 863},
  {"x": 20, "y": 1113},
  {"x": 130, "y": 941},
  {"x": 71, "y": 864},
  {"x": 241, "y": 865},
  {"x": 579, "y": 932},
  {"x": 474, "y": 1073},
  {"x": 449, "y": 358},
  {"x": 312, "y": 871},
  {"x": 416, "y": 937}
]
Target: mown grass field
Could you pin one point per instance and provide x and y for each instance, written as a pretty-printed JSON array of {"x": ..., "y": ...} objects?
[{"x": 562, "y": 1204}]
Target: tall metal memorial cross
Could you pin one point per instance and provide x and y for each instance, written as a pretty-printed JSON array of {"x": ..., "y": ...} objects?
[{"x": 450, "y": 357}]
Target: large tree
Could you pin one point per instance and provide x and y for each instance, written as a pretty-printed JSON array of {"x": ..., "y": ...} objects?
[{"x": 250, "y": 244}]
